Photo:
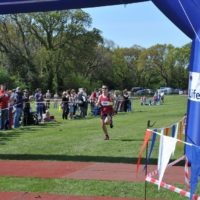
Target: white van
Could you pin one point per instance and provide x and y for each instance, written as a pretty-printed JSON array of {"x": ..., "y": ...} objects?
[{"x": 166, "y": 90}]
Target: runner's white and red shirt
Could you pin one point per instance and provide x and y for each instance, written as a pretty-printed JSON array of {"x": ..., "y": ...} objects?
[{"x": 106, "y": 104}]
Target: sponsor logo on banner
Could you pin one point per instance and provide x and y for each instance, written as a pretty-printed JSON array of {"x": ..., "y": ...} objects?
[{"x": 194, "y": 86}]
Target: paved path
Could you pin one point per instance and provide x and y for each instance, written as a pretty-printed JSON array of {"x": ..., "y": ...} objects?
[
  {"x": 84, "y": 170},
  {"x": 37, "y": 196},
  {"x": 78, "y": 170}
]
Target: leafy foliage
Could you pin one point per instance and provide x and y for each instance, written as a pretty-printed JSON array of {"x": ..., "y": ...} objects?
[{"x": 59, "y": 50}]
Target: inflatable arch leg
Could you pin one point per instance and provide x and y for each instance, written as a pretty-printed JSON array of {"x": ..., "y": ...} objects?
[{"x": 193, "y": 108}]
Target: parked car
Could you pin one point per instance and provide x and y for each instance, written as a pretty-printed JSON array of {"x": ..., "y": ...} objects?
[
  {"x": 135, "y": 89},
  {"x": 140, "y": 92},
  {"x": 150, "y": 91},
  {"x": 144, "y": 92},
  {"x": 166, "y": 90},
  {"x": 177, "y": 91}
]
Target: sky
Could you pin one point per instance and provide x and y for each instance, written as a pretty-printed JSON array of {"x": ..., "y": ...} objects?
[{"x": 140, "y": 24}]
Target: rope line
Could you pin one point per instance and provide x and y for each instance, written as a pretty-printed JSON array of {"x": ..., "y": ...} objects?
[
  {"x": 168, "y": 186},
  {"x": 187, "y": 143},
  {"x": 188, "y": 19}
]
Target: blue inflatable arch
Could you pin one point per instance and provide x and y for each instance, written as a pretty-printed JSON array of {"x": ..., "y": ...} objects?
[{"x": 185, "y": 14}]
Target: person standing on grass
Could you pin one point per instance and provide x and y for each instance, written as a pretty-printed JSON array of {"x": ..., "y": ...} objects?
[
  {"x": 18, "y": 107},
  {"x": 40, "y": 106},
  {"x": 4, "y": 98},
  {"x": 48, "y": 99},
  {"x": 125, "y": 100},
  {"x": 105, "y": 102},
  {"x": 56, "y": 99}
]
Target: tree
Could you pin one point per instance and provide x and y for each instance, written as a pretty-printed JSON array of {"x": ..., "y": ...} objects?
[
  {"x": 16, "y": 45},
  {"x": 160, "y": 61},
  {"x": 47, "y": 47},
  {"x": 180, "y": 73}
]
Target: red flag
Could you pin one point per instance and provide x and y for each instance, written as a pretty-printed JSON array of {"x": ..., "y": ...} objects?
[
  {"x": 146, "y": 139},
  {"x": 180, "y": 130},
  {"x": 167, "y": 131}
]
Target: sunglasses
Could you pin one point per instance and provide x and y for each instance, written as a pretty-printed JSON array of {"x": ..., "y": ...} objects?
[{"x": 104, "y": 88}]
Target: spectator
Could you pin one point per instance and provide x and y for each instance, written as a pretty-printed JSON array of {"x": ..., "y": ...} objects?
[
  {"x": 4, "y": 98},
  {"x": 86, "y": 101},
  {"x": 10, "y": 105},
  {"x": 47, "y": 117},
  {"x": 18, "y": 106},
  {"x": 71, "y": 105},
  {"x": 125, "y": 100},
  {"x": 143, "y": 100},
  {"x": 64, "y": 105},
  {"x": 75, "y": 99},
  {"x": 26, "y": 108},
  {"x": 55, "y": 98},
  {"x": 40, "y": 107},
  {"x": 82, "y": 101},
  {"x": 48, "y": 99},
  {"x": 93, "y": 100},
  {"x": 162, "y": 97}
]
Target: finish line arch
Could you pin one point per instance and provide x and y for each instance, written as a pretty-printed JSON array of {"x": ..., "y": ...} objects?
[{"x": 185, "y": 14}]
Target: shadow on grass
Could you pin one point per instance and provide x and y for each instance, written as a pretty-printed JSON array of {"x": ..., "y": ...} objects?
[
  {"x": 8, "y": 135},
  {"x": 128, "y": 140},
  {"x": 80, "y": 158}
]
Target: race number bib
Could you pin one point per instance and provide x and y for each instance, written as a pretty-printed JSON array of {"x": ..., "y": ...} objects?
[{"x": 106, "y": 103}]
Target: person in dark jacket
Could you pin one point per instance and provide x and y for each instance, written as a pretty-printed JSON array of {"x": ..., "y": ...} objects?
[
  {"x": 40, "y": 106},
  {"x": 26, "y": 109},
  {"x": 64, "y": 105},
  {"x": 18, "y": 107}
]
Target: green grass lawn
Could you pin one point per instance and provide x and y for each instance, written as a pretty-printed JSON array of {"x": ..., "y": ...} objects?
[{"x": 82, "y": 140}]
